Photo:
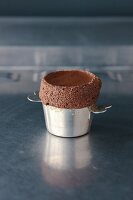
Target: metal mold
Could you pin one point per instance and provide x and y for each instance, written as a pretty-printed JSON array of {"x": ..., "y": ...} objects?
[{"x": 68, "y": 122}]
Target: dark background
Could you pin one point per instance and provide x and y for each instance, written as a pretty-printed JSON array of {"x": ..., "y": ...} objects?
[{"x": 66, "y": 8}]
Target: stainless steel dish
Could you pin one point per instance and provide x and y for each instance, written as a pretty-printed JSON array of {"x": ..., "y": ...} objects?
[{"x": 68, "y": 122}]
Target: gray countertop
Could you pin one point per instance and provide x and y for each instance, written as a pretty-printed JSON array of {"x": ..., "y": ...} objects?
[{"x": 37, "y": 165}]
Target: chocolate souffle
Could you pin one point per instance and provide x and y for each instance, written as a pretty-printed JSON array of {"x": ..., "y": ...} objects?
[{"x": 70, "y": 89}]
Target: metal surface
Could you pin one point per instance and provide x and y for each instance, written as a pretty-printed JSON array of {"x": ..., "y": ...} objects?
[
  {"x": 62, "y": 155},
  {"x": 36, "y": 165},
  {"x": 65, "y": 154},
  {"x": 67, "y": 122},
  {"x": 27, "y": 152}
]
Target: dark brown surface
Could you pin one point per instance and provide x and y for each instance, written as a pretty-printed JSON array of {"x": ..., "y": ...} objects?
[
  {"x": 68, "y": 78},
  {"x": 70, "y": 89}
]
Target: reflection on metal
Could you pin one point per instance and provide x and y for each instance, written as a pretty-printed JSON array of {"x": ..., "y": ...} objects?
[
  {"x": 9, "y": 76},
  {"x": 116, "y": 76},
  {"x": 63, "y": 155}
]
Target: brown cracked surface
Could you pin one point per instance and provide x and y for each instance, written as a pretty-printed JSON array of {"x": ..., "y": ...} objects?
[{"x": 70, "y": 89}]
